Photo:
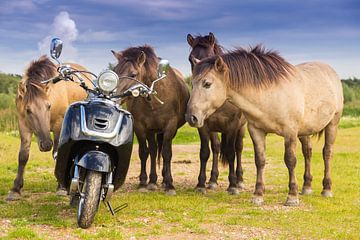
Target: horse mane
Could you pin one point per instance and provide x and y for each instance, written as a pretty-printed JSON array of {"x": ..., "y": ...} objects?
[
  {"x": 38, "y": 70},
  {"x": 132, "y": 54},
  {"x": 256, "y": 67},
  {"x": 203, "y": 41}
]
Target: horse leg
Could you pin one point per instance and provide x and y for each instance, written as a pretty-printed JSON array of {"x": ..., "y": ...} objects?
[
  {"x": 290, "y": 161},
  {"x": 239, "y": 145},
  {"x": 230, "y": 156},
  {"x": 258, "y": 139},
  {"x": 153, "y": 152},
  {"x": 204, "y": 156},
  {"x": 330, "y": 135},
  {"x": 307, "y": 152},
  {"x": 169, "y": 134},
  {"x": 215, "y": 148},
  {"x": 60, "y": 190},
  {"x": 143, "y": 154},
  {"x": 25, "y": 137}
]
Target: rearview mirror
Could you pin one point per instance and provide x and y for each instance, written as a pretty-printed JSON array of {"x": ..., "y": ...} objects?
[
  {"x": 55, "y": 48},
  {"x": 163, "y": 67}
]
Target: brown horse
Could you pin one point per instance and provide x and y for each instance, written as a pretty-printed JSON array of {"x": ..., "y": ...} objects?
[
  {"x": 41, "y": 109},
  {"x": 227, "y": 119},
  {"x": 275, "y": 97},
  {"x": 155, "y": 123}
]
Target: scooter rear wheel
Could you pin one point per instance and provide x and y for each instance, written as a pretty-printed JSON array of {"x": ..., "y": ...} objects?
[{"x": 89, "y": 202}]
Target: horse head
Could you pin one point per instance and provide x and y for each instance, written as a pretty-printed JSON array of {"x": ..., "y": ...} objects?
[
  {"x": 209, "y": 90},
  {"x": 136, "y": 62},
  {"x": 33, "y": 101}
]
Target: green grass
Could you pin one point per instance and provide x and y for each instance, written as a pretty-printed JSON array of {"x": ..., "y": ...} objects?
[{"x": 42, "y": 215}]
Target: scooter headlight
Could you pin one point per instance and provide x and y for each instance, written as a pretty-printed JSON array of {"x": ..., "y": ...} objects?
[{"x": 108, "y": 81}]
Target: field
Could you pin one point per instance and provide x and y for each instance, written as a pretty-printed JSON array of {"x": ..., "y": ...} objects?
[{"x": 190, "y": 215}]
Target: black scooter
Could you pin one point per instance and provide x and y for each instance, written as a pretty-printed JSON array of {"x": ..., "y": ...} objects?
[{"x": 96, "y": 139}]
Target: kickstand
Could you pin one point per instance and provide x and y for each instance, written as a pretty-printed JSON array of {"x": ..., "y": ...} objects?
[{"x": 117, "y": 209}]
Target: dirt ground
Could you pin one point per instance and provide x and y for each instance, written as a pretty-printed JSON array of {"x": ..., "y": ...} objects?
[{"x": 185, "y": 165}]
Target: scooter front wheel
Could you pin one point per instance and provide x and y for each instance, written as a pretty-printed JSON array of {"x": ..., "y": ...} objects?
[{"x": 89, "y": 199}]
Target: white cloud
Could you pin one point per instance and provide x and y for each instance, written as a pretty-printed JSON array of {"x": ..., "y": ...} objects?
[{"x": 64, "y": 28}]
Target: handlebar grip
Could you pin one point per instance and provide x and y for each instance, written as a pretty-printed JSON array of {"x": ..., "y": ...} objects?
[{"x": 56, "y": 79}]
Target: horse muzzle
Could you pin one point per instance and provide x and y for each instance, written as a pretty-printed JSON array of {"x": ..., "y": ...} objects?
[
  {"x": 194, "y": 120},
  {"x": 45, "y": 146}
]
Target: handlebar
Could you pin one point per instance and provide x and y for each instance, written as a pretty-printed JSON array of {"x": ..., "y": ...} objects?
[{"x": 66, "y": 73}]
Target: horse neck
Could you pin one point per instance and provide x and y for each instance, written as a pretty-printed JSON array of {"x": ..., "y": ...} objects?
[{"x": 245, "y": 102}]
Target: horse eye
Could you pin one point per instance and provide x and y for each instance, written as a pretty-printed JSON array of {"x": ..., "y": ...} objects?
[
  {"x": 206, "y": 84},
  {"x": 133, "y": 75},
  {"x": 28, "y": 111},
  {"x": 48, "y": 106}
]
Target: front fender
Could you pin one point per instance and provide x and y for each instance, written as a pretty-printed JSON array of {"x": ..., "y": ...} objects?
[{"x": 96, "y": 161}]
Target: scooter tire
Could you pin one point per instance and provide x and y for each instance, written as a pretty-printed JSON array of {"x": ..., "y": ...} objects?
[{"x": 89, "y": 203}]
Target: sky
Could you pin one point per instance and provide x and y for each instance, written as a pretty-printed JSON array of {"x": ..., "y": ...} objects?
[{"x": 307, "y": 30}]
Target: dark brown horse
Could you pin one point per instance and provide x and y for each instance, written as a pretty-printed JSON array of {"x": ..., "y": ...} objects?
[
  {"x": 227, "y": 120},
  {"x": 41, "y": 110},
  {"x": 154, "y": 123}
]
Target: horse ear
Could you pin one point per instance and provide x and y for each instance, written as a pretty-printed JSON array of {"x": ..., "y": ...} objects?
[
  {"x": 211, "y": 38},
  {"x": 142, "y": 58},
  {"x": 193, "y": 60},
  {"x": 117, "y": 55},
  {"x": 21, "y": 90},
  {"x": 190, "y": 39},
  {"x": 220, "y": 65}
]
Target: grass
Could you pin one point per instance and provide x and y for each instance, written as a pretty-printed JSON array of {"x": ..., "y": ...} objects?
[{"x": 42, "y": 215}]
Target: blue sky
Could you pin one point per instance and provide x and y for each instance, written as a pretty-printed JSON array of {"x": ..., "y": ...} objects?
[{"x": 320, "y": 30}]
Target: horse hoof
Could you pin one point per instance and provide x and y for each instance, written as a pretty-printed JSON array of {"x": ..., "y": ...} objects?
[
  {"x": 200, "y": 190},
  {"x": 292, "y": 201},
  {"x": 143, "y": 189},
  {"x": 327, "y": 194},
  {"x": 212, "y": 185},
  {"x": 233, "y": 191},
  {"x": 170, "y": 192},
  {"x": 257, "y": 200},
  {"x": 306, "y": 191},
  {"x": 61, "y": 192},
  {"x": 13, "y": 196},
  {"x": 152, "y": 187},
  {"x": 240, "y": 185},
  {"x": 163, "y": 185}
]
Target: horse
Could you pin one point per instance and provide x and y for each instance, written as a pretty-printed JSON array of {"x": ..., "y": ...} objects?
[
  {"x": 155, "y": 124},
  {"x": 227, "y": 120},
  {"x": 275, "y": 97},
  {"x": 41, "y": 108}
]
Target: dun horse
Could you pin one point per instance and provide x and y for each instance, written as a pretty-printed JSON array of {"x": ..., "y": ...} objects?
[
  {"x": 275, "y": 97},
  {"x": 41, "y": 110},
  {"x": 228, "y": 120},
  {"x": 154, "y": 123}
]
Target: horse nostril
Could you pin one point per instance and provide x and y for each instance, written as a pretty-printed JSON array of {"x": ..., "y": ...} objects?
[{"x": 193, "y": 119}]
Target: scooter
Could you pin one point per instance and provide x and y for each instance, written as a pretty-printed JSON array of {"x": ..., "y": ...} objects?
[{"x": 96, "y": 138}]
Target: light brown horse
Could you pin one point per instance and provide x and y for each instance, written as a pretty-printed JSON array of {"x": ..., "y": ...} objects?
[
  {"x": 227, "y": 119},
  {"x": 154, "y": 123},
  {"x": 41, "y": 108},
  {"x": 275, "y": 97}
]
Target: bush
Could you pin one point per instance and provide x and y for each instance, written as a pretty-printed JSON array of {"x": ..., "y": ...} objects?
[
  {"x": 8, "y": 120},
  {"x": 7, "y": 101}
]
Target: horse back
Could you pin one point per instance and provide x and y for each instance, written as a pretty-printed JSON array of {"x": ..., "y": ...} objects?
[{"x": 63, "y": 93}]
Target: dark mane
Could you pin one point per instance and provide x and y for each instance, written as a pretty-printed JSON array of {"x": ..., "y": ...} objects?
[
  {"x": 131, "y": 54},
  {"x": 203, "y": 41},
  {"x": 38, "y": 71},
  {"x": 255, "y": 67}
]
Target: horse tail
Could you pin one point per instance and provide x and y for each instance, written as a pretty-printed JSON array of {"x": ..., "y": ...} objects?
[
  {"x": 159, "y": 138},
  {"x": 223, "y": 144}
]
